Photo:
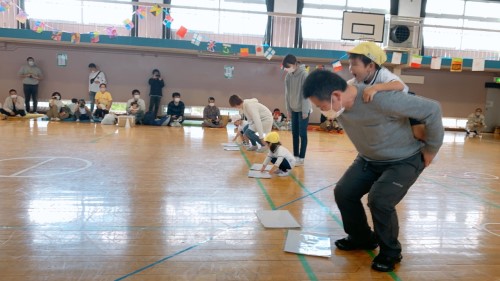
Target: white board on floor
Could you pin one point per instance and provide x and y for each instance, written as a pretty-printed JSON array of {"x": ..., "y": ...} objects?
[
  {"x": 257, "y": 167},
  {"x": 231, "y": 148},
  {"x": 230, "y": 144},
  {"x": 277, "y": 219},
  {"x": 306, "y": 243},
  {"x": 258, "y": 174}
]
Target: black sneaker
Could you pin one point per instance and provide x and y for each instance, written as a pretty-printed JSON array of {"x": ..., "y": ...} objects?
[
  {"x": 385, "y": 263},
  {"x": 347, "y": 244}
]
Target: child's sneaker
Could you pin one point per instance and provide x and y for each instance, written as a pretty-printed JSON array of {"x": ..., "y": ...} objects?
[
  {"x": 252, "y": 148},
  {"x": 299, "y": 162},
  {"x": 281, "y": 173},
  {"x": 77, "y": 120}
]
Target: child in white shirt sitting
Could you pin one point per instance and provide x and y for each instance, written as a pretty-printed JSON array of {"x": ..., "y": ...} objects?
[{"x": 278, "y": 155}]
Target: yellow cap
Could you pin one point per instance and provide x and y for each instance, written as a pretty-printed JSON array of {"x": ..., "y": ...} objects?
[
  {"x": 272, "y": 137},
  {"x": 370, "y": 50}
]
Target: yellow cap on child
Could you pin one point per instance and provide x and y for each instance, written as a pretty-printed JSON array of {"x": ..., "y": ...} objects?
[
  {"x": 272, "y": 137},
  {"x": 370, "y": 50}
]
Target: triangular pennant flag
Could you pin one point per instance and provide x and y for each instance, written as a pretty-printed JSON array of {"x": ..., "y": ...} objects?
[
  {"x": 456, "y": 64},
  {"x": 4, "y": 6},
  {"x": 128, "y": 24},
  {"x": 181, "y": 32},
  {"x": 396, "y": 58},
  {"x": 94, "y": 37},
  {"x": 22, "y": 17},
  {"x": 141, "y": 12},
  {"x": 259, "y": 50},
  {"x": 436, "y": 63},
  {"x": 244, "y": 52},
  {"x": 111, "y": 32},
  {"x": 226, "y": 49},
  {"x": 197, "y": 38},
  {"x": 477, "y": 64},
  {"x": 155, "y": 10},
  {"x": 75, "y": 38},
  {"x": 269, "y": 53},
  {"x": 211, "y": 46},
  {"x": 416, "y": 61},
  {"x": 56, "y": 35},
  {"x": 337, "y": 66},
  {"x": 38, "y": 26}
]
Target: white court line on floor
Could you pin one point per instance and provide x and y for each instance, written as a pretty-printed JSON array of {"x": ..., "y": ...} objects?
[
  {"x": 17, "y": 175},
  {"x": 32, "y": 167},
  {"x": 483, "y": 227}
]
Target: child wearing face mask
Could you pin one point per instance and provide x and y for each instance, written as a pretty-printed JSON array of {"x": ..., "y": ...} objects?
[
  {"x": 138, "y": 111},
  {"x": 175, "y": 110},
  {"x": 14, "y": 105},
  {"x": 82, "y": 112},
  {"x": 282, "y": 159},
  {"x": 103, "y": 100},
  {"x": 365, "y": 64},
  {"x": 211, "y": 115},
  {"x": 297, "y": 106},
  {"x": 55, "y": 106}
]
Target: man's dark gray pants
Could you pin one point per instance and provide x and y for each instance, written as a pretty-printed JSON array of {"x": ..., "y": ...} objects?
[{"x": 386, "y": 184}]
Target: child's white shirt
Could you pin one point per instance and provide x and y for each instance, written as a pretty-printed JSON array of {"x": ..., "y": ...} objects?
[
  {"x": 242, "y": 125},
  {"x": 280, "y": 153},
  {"x": 381, "y": 76}
]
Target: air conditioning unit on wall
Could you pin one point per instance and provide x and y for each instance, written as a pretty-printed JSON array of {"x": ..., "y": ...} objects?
[{"x": 404, "y": 34}]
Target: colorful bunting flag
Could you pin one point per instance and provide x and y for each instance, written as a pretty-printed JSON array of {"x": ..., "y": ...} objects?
[
  {"x": 416, "y": 61},
  {"x": 244, "y": 52},
  {"x": 128, "y": 24},
  {"x": 38, "y": 26},
  {"x": 320, "y": 66},
  {"x": 269, "y": 53},
  {"x": 211, "y": 46},
  {"x": 337, "y": 66},
  {"x": 155, "y": 10},
  {"x": 141, "y": 12},
  {"x": 477, "y": 64},
  {"x": 4, "y": 6},
  {"x": 94, "y": 37},
  {"x": 396, "y": 58},
  {"x": 181, "y": 32},
  {"x": 197, "y": 38},
  {"x": 22, "y": 17},
  {"x": 111, "y": 32},
  {"x": 435, "y": 63},
  {"x": 226, "y": 49},
  {"x": 75, "y": 38},
  {"x": 259, "y": 50},
  {"x": 56, "y": 35},
  {"x": 456, "y": 64},
  {"x": 168, "y": 20}
]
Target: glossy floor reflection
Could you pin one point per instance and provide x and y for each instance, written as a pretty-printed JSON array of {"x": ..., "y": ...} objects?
[{"x": 91, "y": 202}]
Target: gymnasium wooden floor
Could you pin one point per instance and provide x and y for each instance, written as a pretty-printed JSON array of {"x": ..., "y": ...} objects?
[{"x": 91, "y": 202}]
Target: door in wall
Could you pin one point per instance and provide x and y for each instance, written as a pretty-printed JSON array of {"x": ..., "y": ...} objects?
[{"x": 492, "y": 107}]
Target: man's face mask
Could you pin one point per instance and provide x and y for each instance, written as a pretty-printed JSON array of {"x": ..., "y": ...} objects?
[
  {"x": 31, "y": 63},
  {"x": 332, "y": 114}
]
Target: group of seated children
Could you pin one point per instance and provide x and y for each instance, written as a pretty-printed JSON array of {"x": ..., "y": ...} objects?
[{"x": 77, "y": 110}]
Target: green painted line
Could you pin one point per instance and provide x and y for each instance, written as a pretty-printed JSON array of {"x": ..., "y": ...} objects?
[
  {"x": 478, "y": 198},
  {"x": 259, "y": 182},
  {"x": 393, "y": 275},
  {"x": 100, "y": 138},
  {"x": 307, "y": 268}
]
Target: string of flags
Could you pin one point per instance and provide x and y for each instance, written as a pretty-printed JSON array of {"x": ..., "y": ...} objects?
[
  {"x": 456, "y": 63},
  {"x": 140, "y": 11}
]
